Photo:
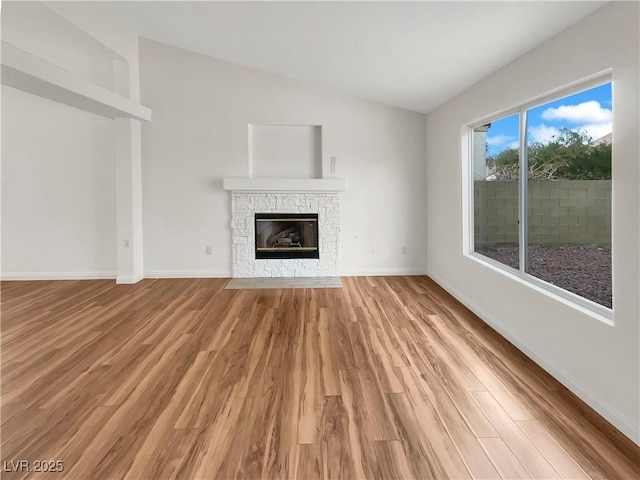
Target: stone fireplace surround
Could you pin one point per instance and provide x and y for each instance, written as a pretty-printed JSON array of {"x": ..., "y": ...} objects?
[{"x": 246, "y": 202}]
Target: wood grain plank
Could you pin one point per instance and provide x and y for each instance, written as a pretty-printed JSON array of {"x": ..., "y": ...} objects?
[
  {"x": 311, "y": 395},
  {"x": 449, "y": 459},
  {"x": 528, "y": 455},
  {"x": 512, "y": 406},
  {"x": 338, "y": 459},
  {"x": 393, "y": 461},
  {"x": 388, "y": 377},
  {"x": 310, "y": 463},
  {"x": 503, "y": 458},
  {"x": 330, "y": 373},
  {"x": 360, "y": 429},
  {"x": 552, "y": 451},
  {"x": 432, "y": 388}
]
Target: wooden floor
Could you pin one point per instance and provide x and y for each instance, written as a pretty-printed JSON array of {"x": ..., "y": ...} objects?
[{"x": 388, "y": 377}]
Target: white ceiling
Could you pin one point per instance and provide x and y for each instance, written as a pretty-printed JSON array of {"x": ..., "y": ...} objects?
[{"x": 414, "y": 55}]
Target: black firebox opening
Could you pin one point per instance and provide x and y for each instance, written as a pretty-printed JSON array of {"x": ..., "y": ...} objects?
[{"x": 287, "y": 235}]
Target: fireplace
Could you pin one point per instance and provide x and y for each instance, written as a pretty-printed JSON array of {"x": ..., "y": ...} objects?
[
  {"x": 286, "y": 235},
  {"x": 296, "y": 205}
]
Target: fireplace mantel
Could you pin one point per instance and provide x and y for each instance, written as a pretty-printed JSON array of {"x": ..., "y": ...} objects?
[{"x": 258, "y": 185}]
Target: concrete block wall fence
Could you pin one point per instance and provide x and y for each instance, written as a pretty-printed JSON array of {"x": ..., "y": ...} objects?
[{"x": 560, "y": 212}]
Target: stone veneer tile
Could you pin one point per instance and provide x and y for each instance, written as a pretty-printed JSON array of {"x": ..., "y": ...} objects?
[{"x": 245, "y": 205}]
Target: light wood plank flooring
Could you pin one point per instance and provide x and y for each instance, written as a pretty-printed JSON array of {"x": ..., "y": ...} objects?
[{"x": 388, "y": 377}]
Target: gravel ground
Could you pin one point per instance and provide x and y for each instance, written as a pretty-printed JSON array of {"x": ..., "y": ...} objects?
[{"x": 585, "y": 270}]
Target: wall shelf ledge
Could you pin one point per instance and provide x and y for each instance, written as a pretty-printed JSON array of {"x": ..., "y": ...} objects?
[{"x": 285, "y": 184}]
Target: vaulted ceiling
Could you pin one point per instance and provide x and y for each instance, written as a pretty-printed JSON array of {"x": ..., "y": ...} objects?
[{"x": 414, "y": 55}]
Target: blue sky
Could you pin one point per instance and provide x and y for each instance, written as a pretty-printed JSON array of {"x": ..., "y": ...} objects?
[{"x": 589, "y": 110}]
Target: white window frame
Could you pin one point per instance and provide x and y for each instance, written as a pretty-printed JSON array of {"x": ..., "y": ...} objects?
[{"x": 520, "y": 275}]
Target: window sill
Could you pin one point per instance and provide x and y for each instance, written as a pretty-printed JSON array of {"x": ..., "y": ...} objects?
[{"x": 587, "y": 307}]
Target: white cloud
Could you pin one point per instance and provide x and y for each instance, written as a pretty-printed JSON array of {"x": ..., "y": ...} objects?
[
  {"x": 590, "y": 112},
  {"x": 499, "y": 140},
  {"x": 514, "y": 145},
  {"x": 597, "y": 131},
  {"x": 542, "y": 133},
  {"x": 545, "y": 133}
]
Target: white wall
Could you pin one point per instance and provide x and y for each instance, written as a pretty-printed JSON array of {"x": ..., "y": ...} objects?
[
  {"x": 64, "y": 224},
  {"x": 598, "y": 362},
  {"x": 199, "y": 135},
  {"x": 285, "y": 151},
  {"x": 36, "y": 28},
  {"x": 58, "y": 190},
  {"x": 120, "y": 44}
]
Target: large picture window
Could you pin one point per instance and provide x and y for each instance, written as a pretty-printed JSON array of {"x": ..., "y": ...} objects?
[{"x": 542, "y": 193}]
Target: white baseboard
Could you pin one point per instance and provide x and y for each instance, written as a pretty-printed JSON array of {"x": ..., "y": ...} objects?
[
  {"x": 189, "y": 274},
  {"x": 611, "y": 414},
  {"x": 128, "y": 279},
  {"x": 349, "y": 272},
  {"x": 229, "y": 274},
  {"x": 58, "y": 276},
  {"x": 380, "y": 272}
]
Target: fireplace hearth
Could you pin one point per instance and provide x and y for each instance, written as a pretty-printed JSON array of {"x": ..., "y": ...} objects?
[{"x": 286, "y": 235}]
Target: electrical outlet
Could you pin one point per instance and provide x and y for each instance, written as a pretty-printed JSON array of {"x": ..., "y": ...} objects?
[
  {"x": 208, "y": 250},
  {"x": 373, "y": 248},
  {"x": 126, "y": 243},
  {"x": 403, "y": 250}
]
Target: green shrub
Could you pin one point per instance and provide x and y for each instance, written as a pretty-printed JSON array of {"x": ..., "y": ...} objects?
[{"x": 569, "y": 156}]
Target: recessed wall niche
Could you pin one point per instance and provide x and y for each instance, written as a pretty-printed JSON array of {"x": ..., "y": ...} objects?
[{"x": 285, "y": 151}]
